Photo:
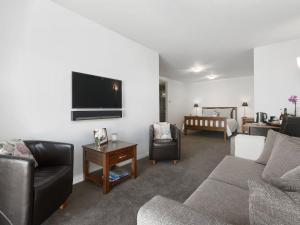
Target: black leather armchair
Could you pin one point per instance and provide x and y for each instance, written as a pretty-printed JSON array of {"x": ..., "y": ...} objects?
[
  {"x": 30, "y": 195},
  {"x": 165, "y": 149}
]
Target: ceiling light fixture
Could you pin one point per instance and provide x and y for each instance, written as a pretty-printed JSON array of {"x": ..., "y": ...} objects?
[
  {"x": 298, "y": 61},
  {"x": 196, "y": 69},
  {"x": 211, "y": 77}
]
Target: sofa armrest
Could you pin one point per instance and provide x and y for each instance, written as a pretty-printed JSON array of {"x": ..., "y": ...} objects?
[
  {"x": 48, "y": 153},
  {"x": 16, "y": 192},
  {"x": 247, "y": 146},
  {"x": 163, "y": 211}
]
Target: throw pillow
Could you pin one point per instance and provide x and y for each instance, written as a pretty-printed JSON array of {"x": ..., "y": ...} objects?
[
  {"x": 284, "y": 157},
  {"x": 16, "y": 148},
  {"x": 162, "y": 131},
  {"x": 269, "y": 205},
  {"x": 266, "y": 153},
  {"x": 290, "y": 181}
]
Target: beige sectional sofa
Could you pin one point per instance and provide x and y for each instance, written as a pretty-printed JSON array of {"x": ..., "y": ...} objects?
[{"x": 221, "y": 199}]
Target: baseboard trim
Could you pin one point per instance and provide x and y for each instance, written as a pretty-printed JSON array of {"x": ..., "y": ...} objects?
[{"x": 79, "y": 178}]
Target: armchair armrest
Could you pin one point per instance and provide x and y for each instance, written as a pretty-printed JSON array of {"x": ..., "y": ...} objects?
[
  {"x": 48, "y": 153},
  {"x": 163, "y": 211},
  {"x": 247, "y": 146},
  {"x": 16, "y": 192}
]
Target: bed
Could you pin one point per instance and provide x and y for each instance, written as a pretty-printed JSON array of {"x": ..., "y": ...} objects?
[{"x": 223, "y": 119}]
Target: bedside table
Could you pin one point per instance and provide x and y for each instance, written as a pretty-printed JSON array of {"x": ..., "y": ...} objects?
[{"x": 246, "y": 121}]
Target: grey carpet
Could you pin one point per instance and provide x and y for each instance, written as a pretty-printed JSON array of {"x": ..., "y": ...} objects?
[{"x": 201, "y": 152}]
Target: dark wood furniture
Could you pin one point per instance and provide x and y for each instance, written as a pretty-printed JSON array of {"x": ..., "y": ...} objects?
[
  {"x": 209, "y": 123},
  {"x": 107, "y": 156},
  {"x": 261, "y": 129},
  {"x": 246, "y": 121}
]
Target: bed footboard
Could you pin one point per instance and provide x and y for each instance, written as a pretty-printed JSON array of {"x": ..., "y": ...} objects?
[{"x": 209, "y": 123}]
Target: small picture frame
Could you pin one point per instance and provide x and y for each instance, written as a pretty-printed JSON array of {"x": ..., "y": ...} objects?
[{"x": 100, "y": 136}]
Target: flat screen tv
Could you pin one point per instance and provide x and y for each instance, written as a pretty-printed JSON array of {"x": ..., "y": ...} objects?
[{"x": 89, "y": 91}]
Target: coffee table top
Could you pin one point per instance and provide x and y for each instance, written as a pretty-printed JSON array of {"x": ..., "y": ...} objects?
[{"x": 110, "y": 146}]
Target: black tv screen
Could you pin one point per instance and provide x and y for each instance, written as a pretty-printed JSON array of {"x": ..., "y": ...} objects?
[{"x": 89, "y": 91}]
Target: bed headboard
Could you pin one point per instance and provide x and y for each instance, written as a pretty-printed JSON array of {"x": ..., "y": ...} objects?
[{"x": 233, "y": 110}]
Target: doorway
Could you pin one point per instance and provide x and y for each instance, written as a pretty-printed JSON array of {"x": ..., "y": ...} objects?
[{"x": 162, "y": 101}]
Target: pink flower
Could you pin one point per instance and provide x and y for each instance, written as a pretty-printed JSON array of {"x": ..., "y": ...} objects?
[{"x": 293, "y": 99}]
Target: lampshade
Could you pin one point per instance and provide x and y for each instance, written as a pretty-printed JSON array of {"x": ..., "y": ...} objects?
[
  {"x": 245, "y": 104},
  {"x": 196, "y": 105}
]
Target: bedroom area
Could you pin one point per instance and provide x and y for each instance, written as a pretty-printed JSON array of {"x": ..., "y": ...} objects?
[{"x": 212, "y": 107}]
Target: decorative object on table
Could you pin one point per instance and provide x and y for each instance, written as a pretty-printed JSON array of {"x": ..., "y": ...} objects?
[
  {"x": 162, "y": 131},
  {"x": 114, "y": 137},
  {"x": 196, "y": 106},
  {"x": 294, "y": 99},
  {"x": 245, "y": 104},
  {"x": 100, "y": 136}
]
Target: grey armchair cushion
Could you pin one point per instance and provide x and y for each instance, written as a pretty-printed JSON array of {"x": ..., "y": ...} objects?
[
  {"x": 266, "y": 153},
  {"x": 163, "y": 211},
  {"x": 289, "y": 181},
  {"x": 285, "y": 156},
  {"x": 269, "y": 205}
]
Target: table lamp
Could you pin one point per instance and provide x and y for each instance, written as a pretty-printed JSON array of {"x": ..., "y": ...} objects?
[
  {"x": 196, "y": 106},
  {"x": 245, "y": 104}
]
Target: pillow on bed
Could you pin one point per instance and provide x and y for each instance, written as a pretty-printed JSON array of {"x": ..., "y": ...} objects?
[
  {"x": 225, "y": 113},
  {"x": 209, "y": 112}
]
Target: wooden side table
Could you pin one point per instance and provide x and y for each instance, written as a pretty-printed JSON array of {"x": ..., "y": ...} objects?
[
  {"x": 246, "y": 121},
  {"x": 107, "y": 156}
]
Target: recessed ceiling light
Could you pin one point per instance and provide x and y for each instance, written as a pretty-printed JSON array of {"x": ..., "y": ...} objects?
[
  {"x": 196, "y": 69},
  {"x": 212, "y": 76}
]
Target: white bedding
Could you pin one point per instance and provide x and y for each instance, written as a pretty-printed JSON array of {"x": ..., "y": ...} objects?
[{"x": 232, "y": 126}]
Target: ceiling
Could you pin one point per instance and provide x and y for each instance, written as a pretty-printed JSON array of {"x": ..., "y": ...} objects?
[{"x": 218, "y": 35}]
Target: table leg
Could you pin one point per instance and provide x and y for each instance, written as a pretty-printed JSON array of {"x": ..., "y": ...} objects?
[
  {"x": 106, "y": 185},
  {"x": 134, "y": 164},
  {"x": 85, "y": 167}
]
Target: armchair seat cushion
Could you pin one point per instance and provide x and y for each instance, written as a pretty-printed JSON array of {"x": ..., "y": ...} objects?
[
  {"x": 48, "y": 175},
  {"x": 164, "y": 143},
  {"x": 52, "y": 185}
]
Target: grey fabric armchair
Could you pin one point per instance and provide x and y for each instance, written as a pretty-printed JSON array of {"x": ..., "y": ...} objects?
[
  {"x": 29, "y": 195},
  {"x": 165, "y": 149}
]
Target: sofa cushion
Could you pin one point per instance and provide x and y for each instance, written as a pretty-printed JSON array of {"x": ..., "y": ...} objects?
[
  {"x": 237, "y": 171},
  {"x": 266, "y": 153},
  {"x": 269, "y": 205},
  {"x": 290, "y": 181},
  {"x": 162, "y": 131},
  {"x": 164, "y": 142},
  {"x": 284, "y": 157},
  {"x": 160, "y": 210},
  {"x": 52, "y": 185},
  {"x": 16, "y": 148},
  {"x": 225, "y": 201}
]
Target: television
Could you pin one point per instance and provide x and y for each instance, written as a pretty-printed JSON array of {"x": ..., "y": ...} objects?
[{"x": 89, "y": 91}]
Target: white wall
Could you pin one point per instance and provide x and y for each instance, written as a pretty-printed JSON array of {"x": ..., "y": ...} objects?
[
  {"x": 176, "y": 101},
  {"x": 36, "y": 83},
  {"x": 226, "y": 92},
  {"x": 276, "y": 76}
]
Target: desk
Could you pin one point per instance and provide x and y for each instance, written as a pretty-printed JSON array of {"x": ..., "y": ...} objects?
[{"x": 261, "y": 129}]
